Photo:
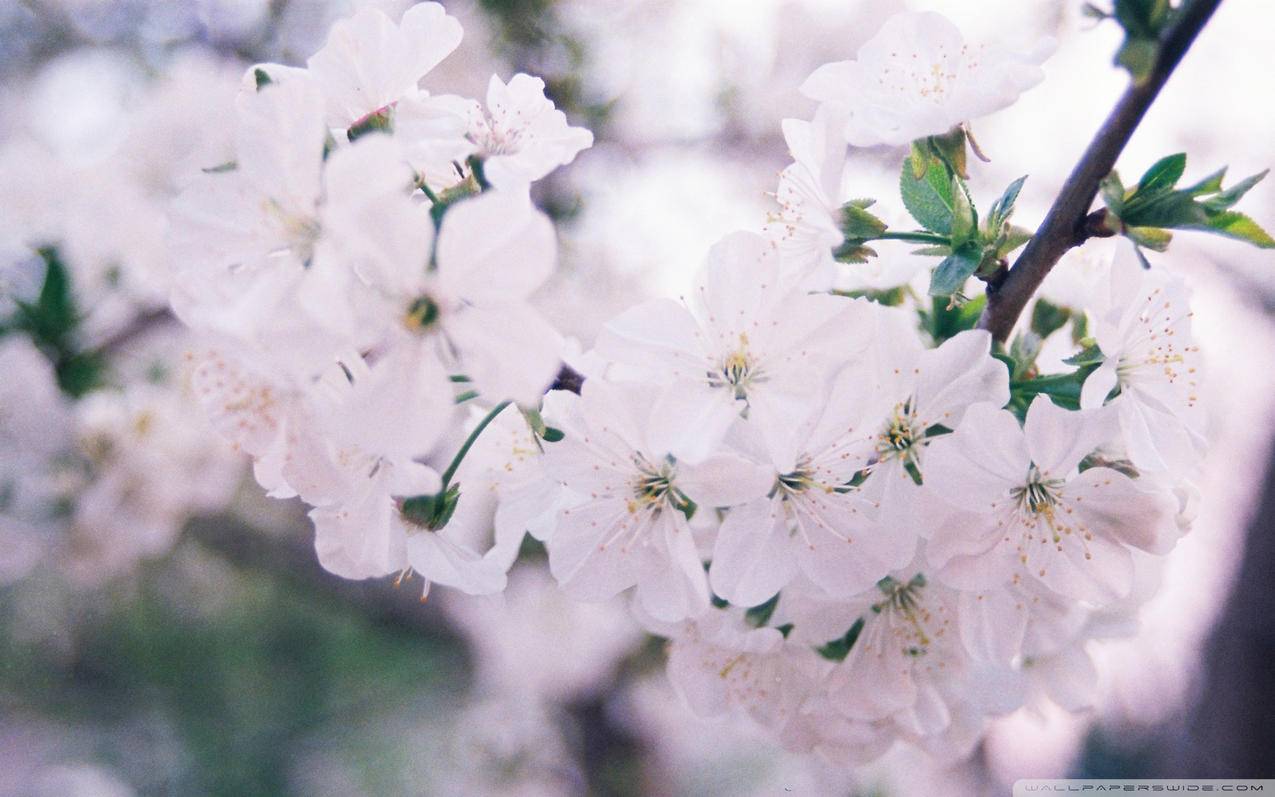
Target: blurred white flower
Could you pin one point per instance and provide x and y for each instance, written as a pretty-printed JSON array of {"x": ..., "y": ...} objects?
[{"x": 918, "y": 77}]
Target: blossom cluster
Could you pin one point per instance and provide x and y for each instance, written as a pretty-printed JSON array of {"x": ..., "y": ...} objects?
[
  {"x": 102, "y": 460},
  {"x": 855, "y": 517},
  {"x": 361, "y": 268}
]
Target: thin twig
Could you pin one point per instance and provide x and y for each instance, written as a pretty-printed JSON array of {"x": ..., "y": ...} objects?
[{"x": 1065, "y": 224}]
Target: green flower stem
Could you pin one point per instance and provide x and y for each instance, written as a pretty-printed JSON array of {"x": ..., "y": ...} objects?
[
  {"x": 914, "y": 237},
  {"x": 469, "y": 442}
]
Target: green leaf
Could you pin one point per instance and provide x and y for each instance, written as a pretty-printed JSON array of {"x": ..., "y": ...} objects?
[
  {"x": 964, "y": 220},
  {"x": 1236, "y": 225},
  {"x": 261, "y": 78},
  {"x": 1064, "y": 389},
  {"x": 1003, "y": 207},
  {"x": 1209, "y": 185},
  {"x": 1113, "y": 193},
  {"x": 1013, "y": 237},
  {"x": 1024, "y": 351},
  {"x": 552, "y": 435},
  {"x": 1139, "y": 57},
  {"x": 1048, "y": 318},
  {"x": 928, "y": 198},
  {"x": 1225, "y": 200},
  {"x": 221, "y": 168},
  {"x": 918, "y": 158},
  {"x": 944, "y": 321},
  {"x": 950, "y": 275},
  {"x": 950, "y": 147},
  {"x": 1163, "y": 174},
  {"x": 1089, "y": 355}
]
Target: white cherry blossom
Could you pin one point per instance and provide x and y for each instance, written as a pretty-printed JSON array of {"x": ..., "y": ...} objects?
[
  {"x": 1031, "y": 515},
  {"x": 626, "y": 523},
  {"x": 810, "y": 194},
  {"x": 520, "y": 136},
  {"x": 910, "y": 666},
  {"x": 370, "y": 62},
  {"x": 918, "y": 77},
  {"x": 1142, "y": 323},
  {"x": 748, "y": 340}
]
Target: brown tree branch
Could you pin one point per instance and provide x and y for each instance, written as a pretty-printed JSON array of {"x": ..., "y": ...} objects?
[{"x": 1065, "y": 224}]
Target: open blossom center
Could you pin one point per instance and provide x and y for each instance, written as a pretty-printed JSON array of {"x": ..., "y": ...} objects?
[
  {"x": 911, "y": 625},
  {"x": 738, "y": 370},
  {"x": 653, "y": 488},
  {"x": 422, "y": 313},
  {"x": 900, "y": 434},
  {"x": 493, "y": 137},
  {"x": 1040, "y": 510},
  {"x": 299, "y": 231},
  {"x": 1154, "y": 354}
]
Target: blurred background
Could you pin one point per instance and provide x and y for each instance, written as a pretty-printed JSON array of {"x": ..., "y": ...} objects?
[{"x": 169, "y": 631}]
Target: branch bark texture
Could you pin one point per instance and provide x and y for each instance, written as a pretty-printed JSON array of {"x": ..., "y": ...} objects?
[{"x": 1065, "y": 224}]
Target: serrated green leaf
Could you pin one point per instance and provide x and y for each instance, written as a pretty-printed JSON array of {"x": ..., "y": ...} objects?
[
  {"x": 950, "y": 275},
  {"x": 1234, "y": 224},
  {"x": 928, "y": 198},
  {"x": 1163, "y": 174},
  {"x": 1225, "y": 200}
]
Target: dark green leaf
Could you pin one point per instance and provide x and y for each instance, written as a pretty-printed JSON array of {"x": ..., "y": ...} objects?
[
  {"x": 1163, "y": 174},
  {"x": 944, "y": 321}
]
